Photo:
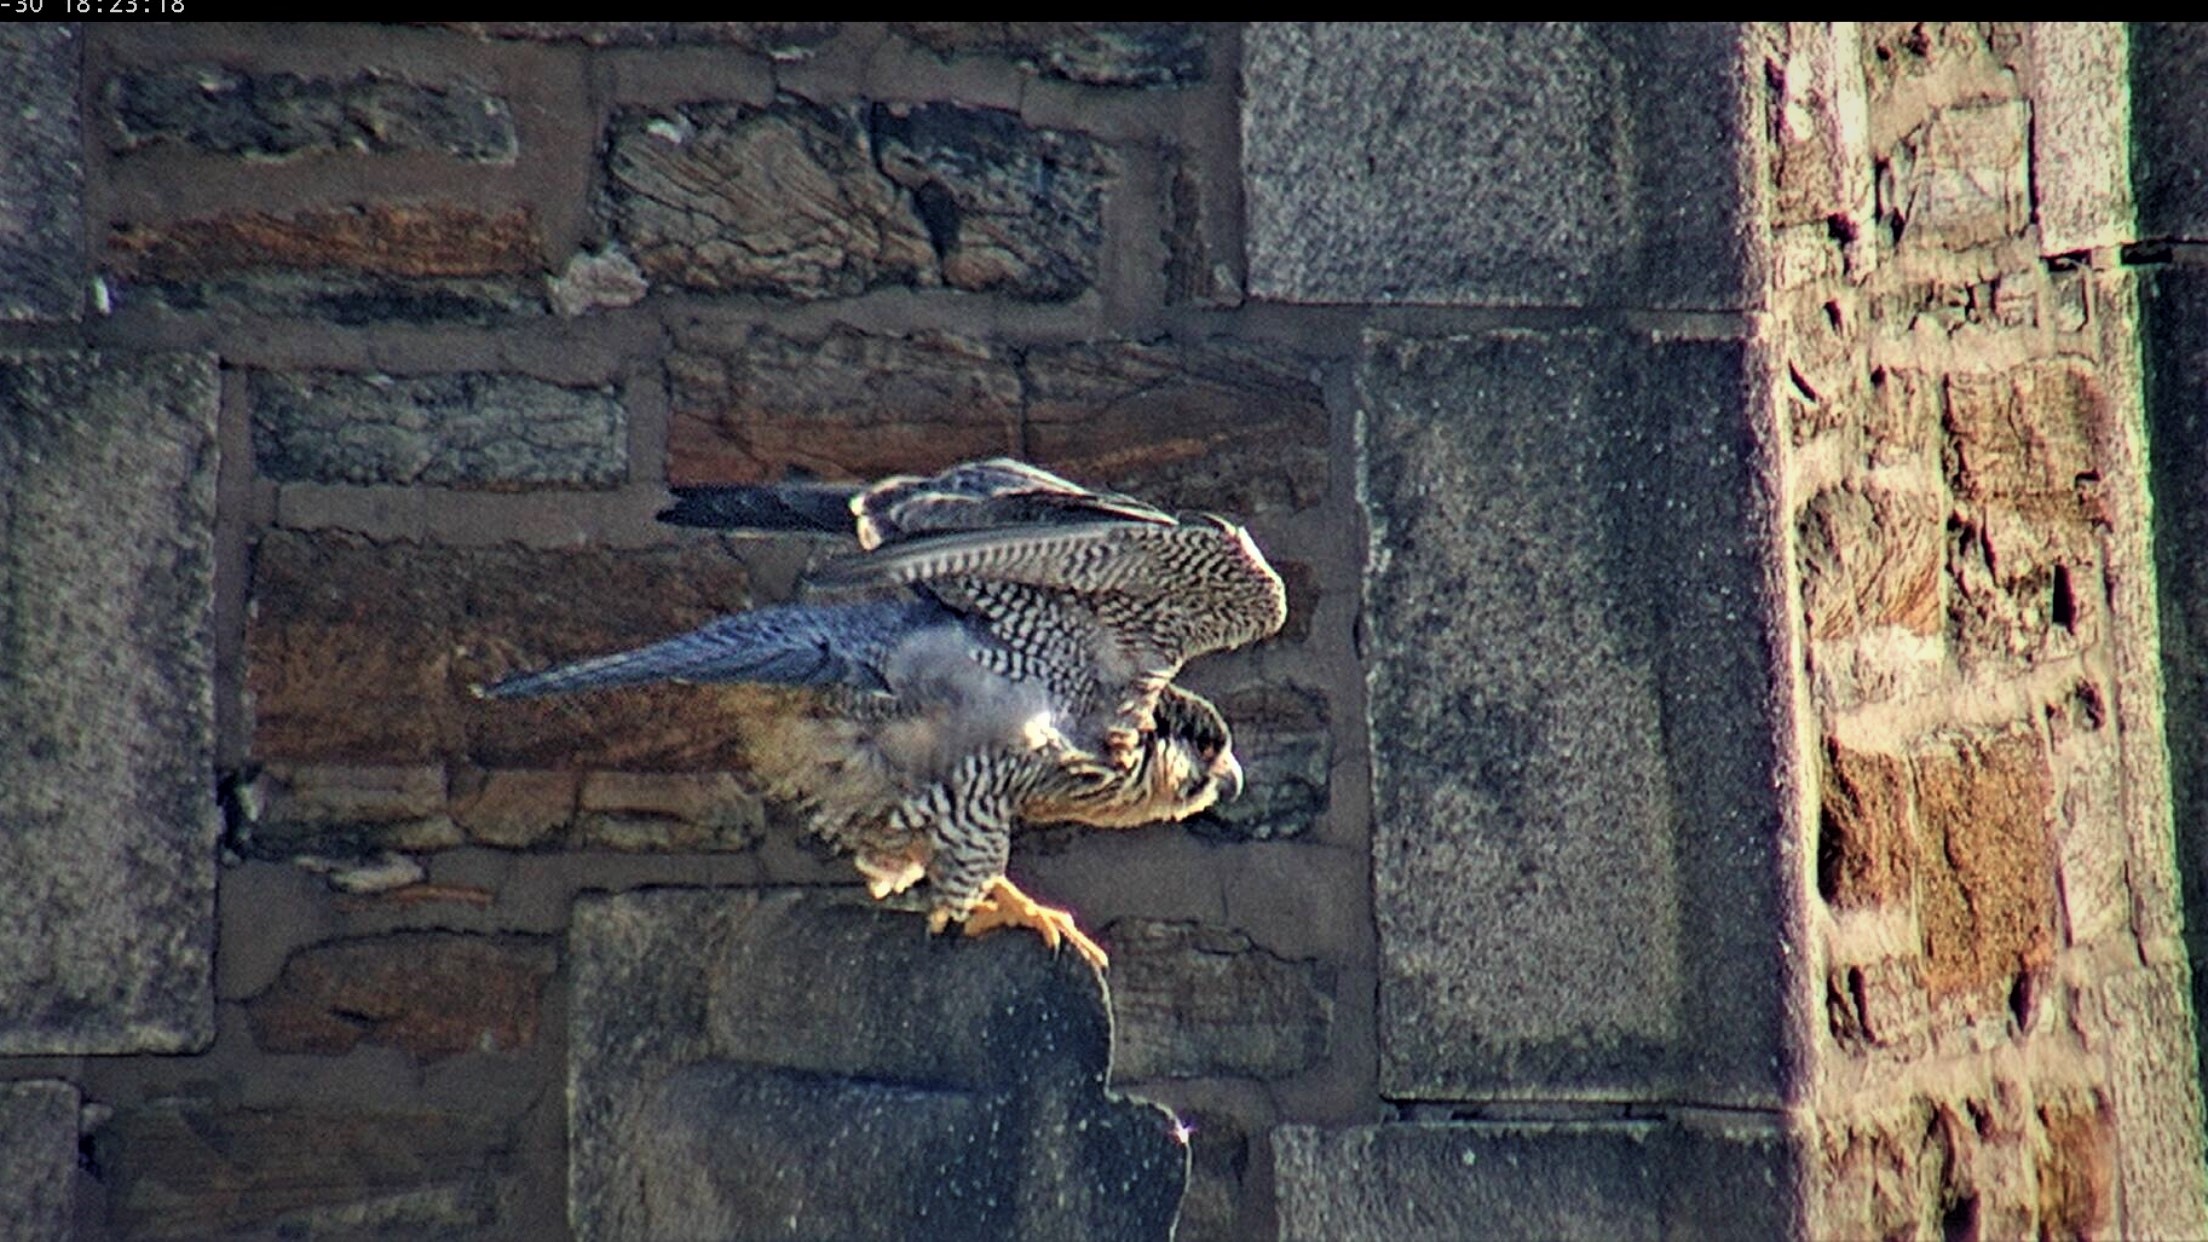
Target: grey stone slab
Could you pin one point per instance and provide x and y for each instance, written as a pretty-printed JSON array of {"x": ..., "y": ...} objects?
[
  {"x": 1577, "y": 845},
  {"x": 38, "y": 1160},
  {"x": 1519, "y": 165},
  {"x": 1604, "y": 1182},
  {"x": 465, "y": 429},
  {"x": 42, "y": 257},
  {"x": 275, "y": 116},
  {"x": 2081, "y": 156},
  {"x": 2169, "y": 145},
  {"x": 107, "y": 806},
  {"x": 748, "y": 1064}
]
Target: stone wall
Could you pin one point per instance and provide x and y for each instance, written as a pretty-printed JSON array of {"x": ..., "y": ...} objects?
[{"x": 1713, "y": 773}]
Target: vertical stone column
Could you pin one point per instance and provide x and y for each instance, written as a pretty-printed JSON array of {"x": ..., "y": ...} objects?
[{"x": 1769, "y": 816}]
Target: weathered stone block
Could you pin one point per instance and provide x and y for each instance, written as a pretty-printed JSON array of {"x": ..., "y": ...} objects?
[
  {"x": 2024, "y": 437},
  {"x": 185, "y": 1168},
  {"x": 406, "y": 241},
  {"x": 433, "y": 994},
  {"x": 1573, "y": 165},
  {"x": 746, "y": 1063},
  {"x": 2077, "y": 1170},
  {"x": 1960, "y": 180},
  {"x": 2081, "y": 135},
  {"x": 784, "y": 200},
  {"x": 1091, "y": 53},
  {"x": 1191, "y": 1000},
  {"x": 107, "y": 803},
  {"x": 1609, "y": 1181},
  {"x": 1008, "y": 208},
  {"x": 469, "y": 429},
  {"x": 849, "y": 405},
  {"x": 2169, "y": 146},
  {"x": 1866, "y": 839},
  {"x": 1986, "y": 883},
  {"x": 42, "y": 251},
  {"x": 1872, "y": 557},
  {"x": 1576, "y": 807},
  {"x": 38, "y": 1160},
  {"x": 1217, "y": 427},
  {"x": 2137, "y": 1022},
  {"x": 360, "y": 659},
  {"x": 275, "y": 116}
]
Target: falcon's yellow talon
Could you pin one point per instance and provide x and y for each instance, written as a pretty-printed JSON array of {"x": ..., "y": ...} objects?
[{"x": 1002, "y": 904}]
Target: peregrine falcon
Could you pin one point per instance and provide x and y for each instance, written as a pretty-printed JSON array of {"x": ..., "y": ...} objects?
[{"x": 1000, "y": 651}]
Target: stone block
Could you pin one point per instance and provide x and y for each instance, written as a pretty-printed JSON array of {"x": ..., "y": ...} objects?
[
  {"x": 432, "y": 994},
  {"x": 1192, "y": 1000},
  {"x": 276, "y": 116},
  {"x": 784, "y": 200},
  {"x": 400, "y": 241},
  {"x": 191, "y": 1168},
  {"x": 2169, "y": 92},
  {"x": 38, "y": 1160},
  {"x": 1606, "y": 1181},
  {"x": 43, "y": 264},
  {"x": 1872, "y": 557},
  {"x": 1960, "y": 180},
  {"x": 107, "y": 803},
  {"x": 2137, "y": 1021},
  {"x": 1090, "y": 53},
  {"x": 808, "y": 1066},
  {"x": 1469, "y": 164},
  {"x": 471, "y": 429},
  {"x": 1986, "y": 880},
  {"x": 1866, "y": 838},
  {"x": 1212, "y": 426},
  {"x": 2081, "y": 135},
  {"x": 362, "y": 653},
  {"x": 749, "y": 408},
  {"x": 1570, "y": 656}
]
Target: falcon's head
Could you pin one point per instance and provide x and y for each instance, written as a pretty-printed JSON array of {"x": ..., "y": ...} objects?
[{"x": 1192, "y": 753}]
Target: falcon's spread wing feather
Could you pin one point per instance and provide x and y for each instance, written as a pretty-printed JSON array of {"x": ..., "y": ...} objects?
[{"x": 1008, "y": 658}]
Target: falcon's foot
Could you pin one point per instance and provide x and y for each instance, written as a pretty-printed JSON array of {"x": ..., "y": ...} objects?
[{"x": 1002, "y": 904}]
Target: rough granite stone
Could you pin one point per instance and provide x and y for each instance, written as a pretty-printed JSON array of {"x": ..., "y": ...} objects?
[
  {"x": 275, "y": 116},
  {"x": 107, "y": 799},
  {"x": 1597, "y": 1181},
  {"x": 192, "y": 1168},
  {"x": 1521, "y": 165},
  {"x": 2169, "y": 90},
  {"x": 1577, "y": 811},
  {"x": 749, "y": 1064},
  {"x": 42, "y": 247},
  {"x": 38, "y": 1160},
  {"x": 467, "y": 429}
]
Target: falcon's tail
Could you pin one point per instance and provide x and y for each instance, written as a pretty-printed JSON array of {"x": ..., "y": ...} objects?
[
  {"x": 821, "y": 507},
  {"x": 785, "y": 645}
]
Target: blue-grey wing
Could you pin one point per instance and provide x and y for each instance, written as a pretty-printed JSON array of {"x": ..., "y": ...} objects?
[{"x": 784, "y": 645}]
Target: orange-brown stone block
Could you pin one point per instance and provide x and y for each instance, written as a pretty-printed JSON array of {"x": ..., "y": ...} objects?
[
  {"x": 2077, "y": 1170},
  {"x": 1986, "y": 887},
  {"x": 1865, "y": 846},
  {"x": 434, "y": 994},
  {"x": 363, "y": 653},
  {"x": 2024, "y": 437},
  {"x": 848, "y": 406},
  {"x": 383, "y": 239}
]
